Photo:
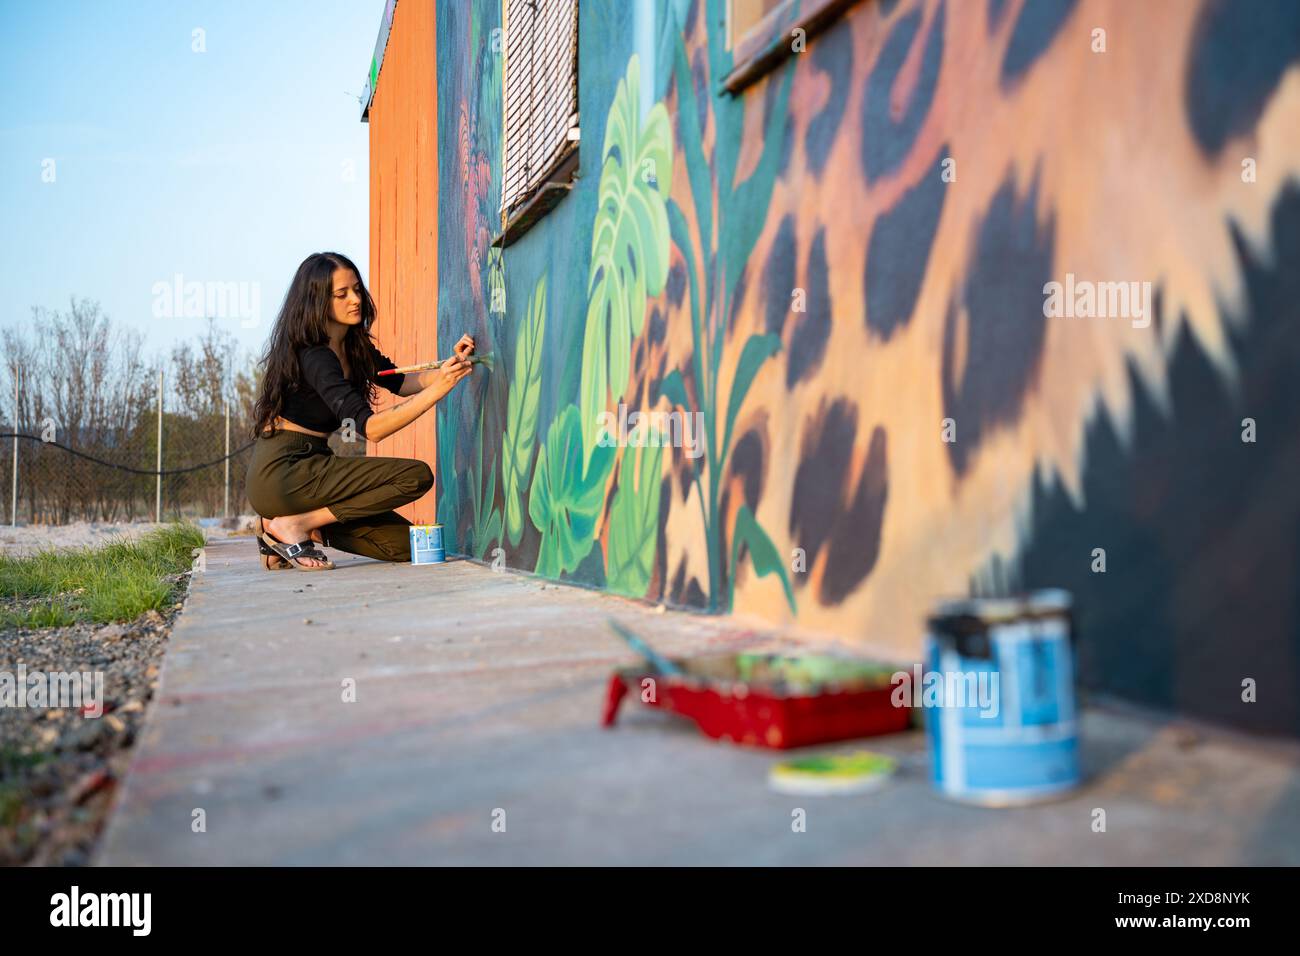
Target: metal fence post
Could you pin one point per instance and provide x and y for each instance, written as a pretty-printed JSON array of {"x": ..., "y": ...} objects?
[
  {"x": 13, "y": 500},
  {"x": 157, "y": 501},
  {"x": 225, "y": 507}
]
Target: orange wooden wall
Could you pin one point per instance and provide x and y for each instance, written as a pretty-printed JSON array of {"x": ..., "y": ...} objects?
[{"x": 404, "y": 219}]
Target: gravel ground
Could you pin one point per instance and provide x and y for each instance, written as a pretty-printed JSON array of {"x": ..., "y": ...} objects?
[{"x": 59, "y": 770}]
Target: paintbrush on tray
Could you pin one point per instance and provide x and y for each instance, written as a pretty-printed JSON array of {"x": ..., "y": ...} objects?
[{"x": 660, "y": 663}]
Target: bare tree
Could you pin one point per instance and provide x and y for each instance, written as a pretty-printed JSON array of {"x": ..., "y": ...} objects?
[{"x": 87, "y": 384}]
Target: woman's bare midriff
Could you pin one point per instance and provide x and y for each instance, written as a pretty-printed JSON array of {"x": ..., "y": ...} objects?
[{"x": 284, "y": 423}]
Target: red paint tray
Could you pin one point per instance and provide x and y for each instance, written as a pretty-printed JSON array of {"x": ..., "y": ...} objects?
[{"x": 769, "y": 700}]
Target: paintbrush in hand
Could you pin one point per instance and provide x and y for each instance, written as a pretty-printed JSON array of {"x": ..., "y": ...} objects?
[{"x": 484, "y": 359}]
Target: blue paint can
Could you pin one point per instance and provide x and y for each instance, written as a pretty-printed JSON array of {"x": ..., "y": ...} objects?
[
  {"x": 426, "y": 544},
  {"x": 1004, "y": 729}
]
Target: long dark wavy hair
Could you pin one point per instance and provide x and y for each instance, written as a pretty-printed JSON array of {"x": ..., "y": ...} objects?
[{"x": 303, "y": 321}]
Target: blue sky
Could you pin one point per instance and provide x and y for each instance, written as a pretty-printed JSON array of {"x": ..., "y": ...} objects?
[{"x": 224, "y": 166}]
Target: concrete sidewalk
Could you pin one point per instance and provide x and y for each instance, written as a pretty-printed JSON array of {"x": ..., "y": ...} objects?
[{"x": 479, "y": 692}]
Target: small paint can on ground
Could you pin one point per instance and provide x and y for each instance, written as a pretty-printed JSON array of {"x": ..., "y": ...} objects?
[
  {"x": 426, "y": 544},
  {"x": 1018, "y": 744}
]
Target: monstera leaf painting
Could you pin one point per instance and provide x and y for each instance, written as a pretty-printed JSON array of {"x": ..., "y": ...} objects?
[
  {"x": 629, "y": 245},
  {"x": 521, "y": 409},
  {"x": 634, "y": 523},
  {"x": 564, "y": 502}
]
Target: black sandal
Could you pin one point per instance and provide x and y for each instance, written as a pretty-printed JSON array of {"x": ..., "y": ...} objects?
[
  {"x": 271, "y": 561},
  {"x": 295, "y": 553}
]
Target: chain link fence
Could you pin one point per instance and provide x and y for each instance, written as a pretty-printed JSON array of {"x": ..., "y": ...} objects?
[
  {"x": 101, "y": 433},
  {"x": 94, "y": 429},
  {"x": 116, "y": 476},
  {"x": 203, "y": 473}
]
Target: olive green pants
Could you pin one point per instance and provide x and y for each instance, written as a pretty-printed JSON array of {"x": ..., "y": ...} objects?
[{"x": 291, "y": 473}]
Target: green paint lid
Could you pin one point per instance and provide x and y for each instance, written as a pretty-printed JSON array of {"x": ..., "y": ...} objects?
[{"x": 826, "y": 774}]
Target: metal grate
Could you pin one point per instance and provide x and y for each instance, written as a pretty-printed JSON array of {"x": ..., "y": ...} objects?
[{"x": 541, "y": 94}]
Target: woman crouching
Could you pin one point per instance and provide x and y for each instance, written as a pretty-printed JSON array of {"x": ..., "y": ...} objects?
[{"x": 319, "y": 373}]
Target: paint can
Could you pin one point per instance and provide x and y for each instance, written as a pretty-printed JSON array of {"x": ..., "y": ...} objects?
[
  {"x": 426, "y": 544},
  {"x": 1004, "y": 730}
]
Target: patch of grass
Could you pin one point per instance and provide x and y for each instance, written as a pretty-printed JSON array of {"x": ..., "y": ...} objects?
[
  {"x": 115, "y": 582},
  {"x": 13, "y": 760},
  {"x": 54, "y": 613}
]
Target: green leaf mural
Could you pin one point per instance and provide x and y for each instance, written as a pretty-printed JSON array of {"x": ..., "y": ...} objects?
[
  {"x": 563, "y": 502},
  {"x": 634, "y": 523},
  {"x": 634, "y": 228},
  {"x": 521, "y": 410},
  {"x": 629, "y": 245},
  {"x": 762, "y": 553},
  {"x": 449, "y": 483},
  {"x": 673, "y": 388},
  {"x": 758, "y": 349},
  {"x": 486, "y": 528},
  {"x": 728, "y": 218},
  {"x": 496, "y": 271}
]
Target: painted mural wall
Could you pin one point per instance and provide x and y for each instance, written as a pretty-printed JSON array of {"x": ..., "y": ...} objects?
[{"x": 834, "y": 292}]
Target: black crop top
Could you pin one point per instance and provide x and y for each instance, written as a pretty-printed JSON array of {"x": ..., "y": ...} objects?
[{"x": 324, "y": 398}]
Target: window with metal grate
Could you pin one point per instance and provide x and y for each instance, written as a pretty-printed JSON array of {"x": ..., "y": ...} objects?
[{"x": 541, "y": 98}]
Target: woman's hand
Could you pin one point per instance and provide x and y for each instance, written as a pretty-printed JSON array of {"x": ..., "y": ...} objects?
[
  {"x": 434, "y": 386},
  {"x": 448, "y": 375},
  {"x": 416, "y": 382}
]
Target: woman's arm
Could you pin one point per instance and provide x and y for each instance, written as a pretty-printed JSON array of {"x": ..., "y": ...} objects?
[
  {"x": 440, "y": 381},
  {"x": 415, "y": 382}
]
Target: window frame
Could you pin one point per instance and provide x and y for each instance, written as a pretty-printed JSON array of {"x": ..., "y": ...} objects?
[
  {"x": 558, "y": 179},
  {"x": 766, "y": 45}
]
